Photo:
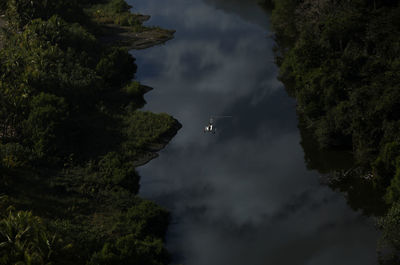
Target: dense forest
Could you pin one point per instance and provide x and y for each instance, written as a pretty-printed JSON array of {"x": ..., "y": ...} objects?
[
  {"x": 341, "y": 61},
  {"x": 71, "y": 135}
]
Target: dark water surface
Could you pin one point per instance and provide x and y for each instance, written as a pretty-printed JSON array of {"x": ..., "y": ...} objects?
[{"x": 243, "y": 196}]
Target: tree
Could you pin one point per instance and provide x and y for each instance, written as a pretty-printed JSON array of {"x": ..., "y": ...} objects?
[
  {"x": 116, "y": 67},
  {"x": 45, "y": 126},
  {"x": 21, "y": 12},
  {"x": 129, "y": 250},
  {"x": 389, "y": 225}
]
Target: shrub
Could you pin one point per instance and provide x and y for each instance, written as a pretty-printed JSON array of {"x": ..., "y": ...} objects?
[
  {"x": 115, "y": 171},
  {"x": 24, "y": 239},
  {"x": 45, "y": 126},
  {"x": 133, "y": 89},
  {"x": 390, "y": 226},
  {"x": 13, "y": 155}
]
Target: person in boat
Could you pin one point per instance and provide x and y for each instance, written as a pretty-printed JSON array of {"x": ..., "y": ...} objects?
[{"x": 210, "y": 127}]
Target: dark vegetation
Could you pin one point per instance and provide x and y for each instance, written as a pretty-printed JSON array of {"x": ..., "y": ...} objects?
[
  {"x": 70, "y": 131},
  {"x": 341, "y": 60}
]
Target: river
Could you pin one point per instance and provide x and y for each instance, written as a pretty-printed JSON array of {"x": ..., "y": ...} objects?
[{"x": 244, "y": 195}]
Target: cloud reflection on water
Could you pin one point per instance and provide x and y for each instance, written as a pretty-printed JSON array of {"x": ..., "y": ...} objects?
[{"x": 242, "y": 196}]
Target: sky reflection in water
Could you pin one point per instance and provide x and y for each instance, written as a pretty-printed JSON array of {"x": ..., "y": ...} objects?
[{"x": 244, "y": 195}]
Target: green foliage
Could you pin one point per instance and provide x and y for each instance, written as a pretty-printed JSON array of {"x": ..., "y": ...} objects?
[
  {"x": 133, "y": 89},
  {"x": 385, "y": 164},
  {"x": 393, "y": 191},
  {"x": 143, "y": 226},
  {"x": 115, "y": 170},
  {"x": 284, "y": 27},
  {"x": 21, "y": 12},
  {"x": 116, "y": 66},
  {"x": 45, "y": 124},
  {"x": 53, "y": 58},
  {"x": 115, "y": 12},
  {"x": 25, "y": 240},
  {"x": 42, "y": 76},
  {"x": 144, "y": 219},
  {"x": 127, "y": 19},
  {"x": 13, "y": 155},
  {"x": 389, "y": 224},
  {"x": 3, "y": 6},
  {"x": 69, "y": 140},
  {"x": 118, "y": 6},
  {"x": 340, "y": 60},
  {"x": 144, "y": 128},
  {"x": 55, "y": 31},
  {"x": 128, "y": 250}
]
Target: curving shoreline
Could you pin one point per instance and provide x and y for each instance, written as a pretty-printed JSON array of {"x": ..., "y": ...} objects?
[
  {"x": 125, "y": 37},
  {"x": 164, "y": 139}
]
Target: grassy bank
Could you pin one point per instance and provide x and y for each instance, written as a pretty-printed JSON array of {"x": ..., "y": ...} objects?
[{"x": 121, "y": 27}]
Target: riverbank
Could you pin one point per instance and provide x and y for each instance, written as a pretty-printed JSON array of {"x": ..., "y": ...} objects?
[
  {"x": 341, "y": 63},
  {"x": 123, "y": 36},
  {"x": 67, "y": 157},
  {"x": 118, "y": 26},
  {"x": 137, "y": 38},
  {"x": 158, "y": 145},
  {"x": 133, "y": 38}
]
